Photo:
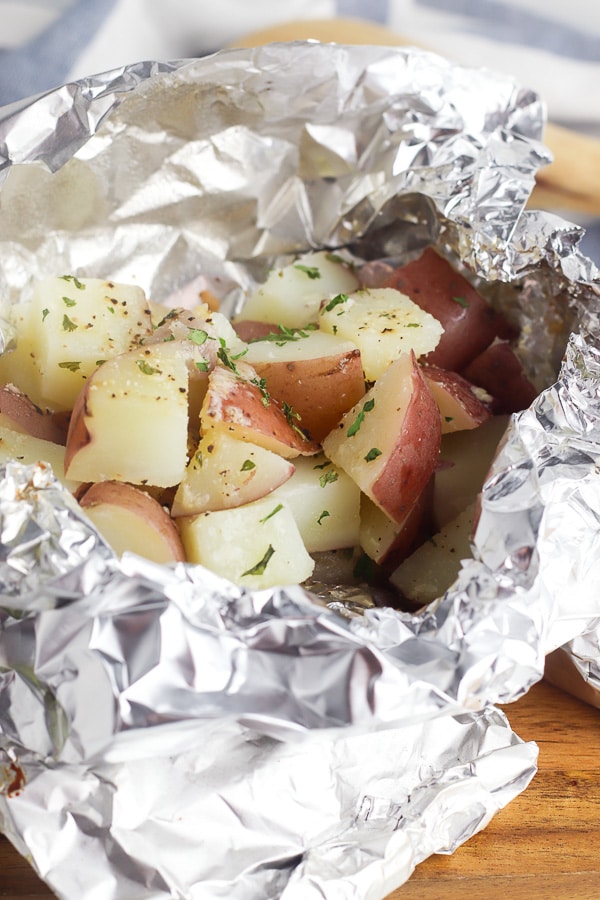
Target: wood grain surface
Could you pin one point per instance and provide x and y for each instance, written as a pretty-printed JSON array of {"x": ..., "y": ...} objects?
[{"x": 544, "y": 846}]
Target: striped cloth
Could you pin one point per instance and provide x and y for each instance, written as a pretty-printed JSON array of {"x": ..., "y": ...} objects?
[{"x": 549, "y": 45}]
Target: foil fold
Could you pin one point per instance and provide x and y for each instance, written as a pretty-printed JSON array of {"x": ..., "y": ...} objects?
[{"x": 165, "y": 733}]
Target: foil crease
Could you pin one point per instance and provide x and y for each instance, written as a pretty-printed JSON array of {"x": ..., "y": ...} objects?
[{"x": 164, "y": 733}]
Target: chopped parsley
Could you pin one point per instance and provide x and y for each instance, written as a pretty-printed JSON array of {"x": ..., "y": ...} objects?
[
  {"x": 197, "y": 335},
  {"x": 335, "y": 301},
  {"x": 247, "y": 465},
  {"x": 323, "y": 515},
  {"x": 67, "y": 324},
  {"x": 68, "y": 301},
  {"x": 262, "y": 564},
  {"x": 71, "y": 366},
  {"x": 373, "y": 453},
  {"x": 202, "y": 365},
  {"x": 367, "y": 407},
  {"x": 261, "y": 384},
  {"x": 45, "y": 312},
  {"x": 78, "y": 284},
  {"x": 226, "y": 359},
  {"x": 328, "y": 478},
  {"x": 285, "y": 334},
  {"x": 145, "y": 367},
  {"x": 273, "y": 512},
  {"x": 461, "y": 302},
  {"x": 312, "y": 271}
]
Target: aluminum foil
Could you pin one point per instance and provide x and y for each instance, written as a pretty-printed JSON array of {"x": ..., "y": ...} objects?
[{"x": 164, "y": 733}]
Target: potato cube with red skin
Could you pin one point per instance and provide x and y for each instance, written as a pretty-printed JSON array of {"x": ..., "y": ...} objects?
[
  {"x": 19, "y": 413},
  {"x": 237, "y": 403},
  {"x": 131, "y": 521},
  {"x": 386, "y": 542},
  {"x": 389, "y": 441},
  {"x": 500, "y": 372},
  {"x": 318, "y": 374},
  {"x": 462, "y": 405},
  {"x": 469, "y": 323}
]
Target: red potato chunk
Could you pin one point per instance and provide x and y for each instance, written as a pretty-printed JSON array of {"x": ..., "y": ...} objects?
[
  {"x": 462, "y": 405},
  {"x": 470, "y": 325},
  {"x": 237, "y": 403},
  {"x": 499, "y": 371},
  {"x": 389, "y": 441}
]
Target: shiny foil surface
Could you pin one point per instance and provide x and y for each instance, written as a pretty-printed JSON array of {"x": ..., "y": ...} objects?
[{"x": 164, "y": 733}]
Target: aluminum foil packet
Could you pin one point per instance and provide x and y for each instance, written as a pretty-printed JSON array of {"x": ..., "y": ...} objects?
[{"x": 164, "y": 733}]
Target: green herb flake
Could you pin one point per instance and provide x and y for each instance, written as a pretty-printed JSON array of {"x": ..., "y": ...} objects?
[
  {"x": 355, "y": 427},
  {"x": 261, "y": 384},
  {"x": 259, "y": 568},
  {"x": 67, "y": 324},
  {"x": 100, "y": 362},
  {"x": 223, "y": 355},
  {"x": 75, "y": 281},
  {"x": 247, "y": 465},
  {"x": 273, "y": 512},
  {"x": 448, "y": 418},
  {"x": 68, "y": 301},
  {"x": 461, "y": 302},
  {"x": 323, "y": 515},
  {"x": 71, "y": 366},
  {"x": 146, "y": 368},
  {"x": 197, "y": 336},
  {"x": 111, "y": 310},
  {"x": 323, "y": 465},
  {"x": 45, "y": 312},
  {"x": 328, "y": 478},
  {"x": 373, "y": 453},
  {"x": 312, "y": 271},
  {"x": 202, "y": 366},
  {"x": 291, "y": 414},
  {"x": 336, "y": 301},
  {"x": 412, "y": 325}
]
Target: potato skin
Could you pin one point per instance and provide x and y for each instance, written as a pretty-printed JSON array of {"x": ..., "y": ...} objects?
[
  {"x": 319, "y": 390},
  {"x": 22, "y": 414},
  {"x": 470, "y": 325},
  {"x": 499, "y": 371}
]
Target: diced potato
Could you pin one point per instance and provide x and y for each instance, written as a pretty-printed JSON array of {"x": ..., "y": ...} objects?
[
  {"x": 428, "y": 572},
  {"x": 257, "y": 545},
  {"x": 225, "y": 472},
  {"x": 130, "y": 520},
  {"x": 291, "y": 295},
  {"x": 27, "y": 449},
  {"x": 325, "y": 503},
  {"x": 383, "y": 324},
  {"x": 130, "y": 420},
  {"x": 69, "y": 325},
  {"x": 316, "y": 373}
]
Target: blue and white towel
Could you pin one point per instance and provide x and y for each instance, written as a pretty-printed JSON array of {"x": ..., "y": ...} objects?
[{"x": 549, "y": 45}]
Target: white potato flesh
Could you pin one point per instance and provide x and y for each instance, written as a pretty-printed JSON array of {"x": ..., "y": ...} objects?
[
  {"x": 428, "y": 572},
  {"x": 383, "y": 323},
  {"x": 225, "y": 472},
  {"x": 298, "y": 346},
  {"x": 131, "y": 421},
  {"x": 76, "y": 323},
  {"x": 291, "y": 295},
  {"x": 132, "y": 521},
  {"x": 257, "y": 545},
  {"x": 325, "y": 503},
  {"x": 25, "y": 448}
]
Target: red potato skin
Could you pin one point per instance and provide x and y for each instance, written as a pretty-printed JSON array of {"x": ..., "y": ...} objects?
[
  {"x": 237, "y": 404},
  {"x": 251, "y": 330},
  {"x": 470, "y": 325},
  {"x": 125, "y": 495},
  {"x": 77, "y": 436},
  {"x": 415, "y": 453},
  {"x": 25, "y": 416},
  {"x": 499, "y": 371},
  {"x": 319, "y": 390},
  {"x": 473, "y": 411},
  {"x": 414, "y": 530}
]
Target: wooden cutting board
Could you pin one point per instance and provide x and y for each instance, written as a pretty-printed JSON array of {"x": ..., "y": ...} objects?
[{"x": 544, "y": 846}]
